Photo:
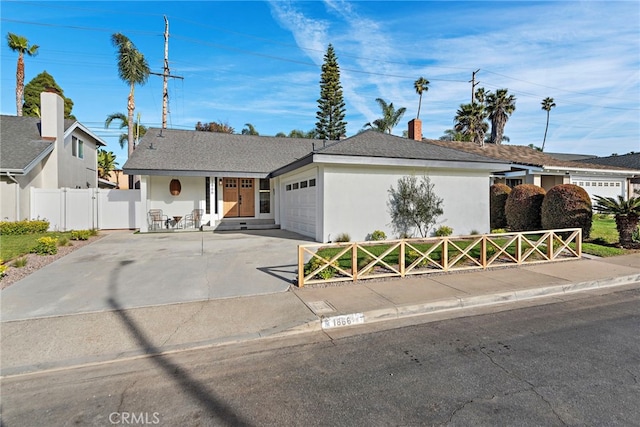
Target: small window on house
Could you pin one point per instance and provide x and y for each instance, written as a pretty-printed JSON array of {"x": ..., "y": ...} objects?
[
  {"x": 303, "y": 184},
  {"x": 288, "y": 187},
  {"x": 312, "y": 182},
  {"x": 581, "y": 184},
  {"x": 587, "y": 184},
  {"x": 74, "y": 146},
  {"x": 265, "y": 196},
  {"x": 80, "y": 149},
  {"x": 606, "y": 184},
  {"x": 600, "y": 184},
  {"x": 295, "y": 186},
  {"x": 617, "y": 184}
]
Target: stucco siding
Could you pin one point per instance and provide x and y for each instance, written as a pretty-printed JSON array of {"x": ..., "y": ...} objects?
[
  {"x": 355, "y": 199},
  {"x": 192, "y": 195},
  {"x": 76, "y": 172}
]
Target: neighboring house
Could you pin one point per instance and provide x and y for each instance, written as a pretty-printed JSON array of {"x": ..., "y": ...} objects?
[
  {"x": 314, "y": 188},
  {"x": 626, "y": 161},
  {"x": 47, "y": 153},
  {"x": 529, "y": 166}
]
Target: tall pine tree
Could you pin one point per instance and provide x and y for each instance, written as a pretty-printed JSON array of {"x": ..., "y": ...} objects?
[
  {"x": 330, "y": 115},
  {"x": 32, "y": 90}
]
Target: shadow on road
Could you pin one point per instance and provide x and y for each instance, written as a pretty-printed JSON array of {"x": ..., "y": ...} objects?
[{"x": 198, "y": 391}]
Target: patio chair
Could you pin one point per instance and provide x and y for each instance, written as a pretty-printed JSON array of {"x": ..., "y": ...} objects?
[
  {"x": 193, "y": 219},
  {"x": 157, "y": 219}
]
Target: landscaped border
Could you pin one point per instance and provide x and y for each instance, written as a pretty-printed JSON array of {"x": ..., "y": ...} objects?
[{"x": 353, "y": 261}]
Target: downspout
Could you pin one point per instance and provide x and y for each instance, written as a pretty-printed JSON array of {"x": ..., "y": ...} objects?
[{"x": 17, "y": 195}]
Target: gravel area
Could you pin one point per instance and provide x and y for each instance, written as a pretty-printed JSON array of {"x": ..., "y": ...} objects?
[{"x": 36, "y": 262}]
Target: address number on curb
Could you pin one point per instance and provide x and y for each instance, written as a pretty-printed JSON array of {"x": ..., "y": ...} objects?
[{"x": 340, "y": 321}]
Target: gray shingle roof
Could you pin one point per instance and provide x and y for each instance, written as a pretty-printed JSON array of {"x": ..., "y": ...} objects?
[
  {"x": 377, "y": 144},
  {"x": 195, "y": 151},
  {"x": 20, "y": 142},
  {"x": 627, "y": 161},
  {"x": 519, "y": 154},
  {"x": 205, "y": 152}
]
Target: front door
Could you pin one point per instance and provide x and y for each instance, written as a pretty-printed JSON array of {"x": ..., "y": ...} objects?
[{"x": 238, "y": 197}]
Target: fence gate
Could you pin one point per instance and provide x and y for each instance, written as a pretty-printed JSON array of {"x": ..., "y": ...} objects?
[{"x": 84, "y": 209}]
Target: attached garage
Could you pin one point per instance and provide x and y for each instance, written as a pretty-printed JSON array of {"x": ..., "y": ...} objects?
[
  {"x": 601, "y": 186},
  {"x": 299, "y": 203}
]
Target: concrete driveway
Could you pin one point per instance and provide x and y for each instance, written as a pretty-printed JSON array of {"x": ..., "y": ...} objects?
[{"x": 127, "y": 270}]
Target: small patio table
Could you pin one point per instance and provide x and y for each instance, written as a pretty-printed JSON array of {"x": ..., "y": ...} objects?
[{"x": 176, "y": 220}]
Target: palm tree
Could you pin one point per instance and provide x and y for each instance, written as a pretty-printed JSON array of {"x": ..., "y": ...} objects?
[
  {"x": 626, "y": 213},
  {"x": 547, "y": 105},
  {"x": 470, "y": 122},
  {"x": 106, "y": 163},
  {"x": 499, "y": 107},
  {"x": 453, "y": 135},
  {"x": 21, "y": 45},
  {"x": 390, "y": 117},
  {"x": 249, "y": 130},
  {"x": 132, "y": 69},
  {"x": 140, "y": 130},
  {"x": 421, "y": 85}
]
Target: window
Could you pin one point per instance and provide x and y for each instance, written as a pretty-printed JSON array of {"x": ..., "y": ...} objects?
[
  {"x": 303, "y": 184},
  {"x": 606, "y": 184},
  {"x": 77, "y": 147},
  {"x": 600, "y": 184},
  {"x": 587, "y": 184},
  {"x": 288, "y": 188},
  {"x": 312, "y": 182},
  {"x": 265, "y": 196},
  {"x": 295, "y": 186},
  {"x": 514, "y": 182},
  {"x": 617, "y": 184}
]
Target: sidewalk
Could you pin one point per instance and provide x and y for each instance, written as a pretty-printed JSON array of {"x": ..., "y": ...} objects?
[{"x": 77, "y": 339}]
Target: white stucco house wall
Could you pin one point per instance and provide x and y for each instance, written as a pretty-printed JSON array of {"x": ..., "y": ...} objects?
[
  {"x": 315, "y": 188},
  {"x": 48, "y": 153}
]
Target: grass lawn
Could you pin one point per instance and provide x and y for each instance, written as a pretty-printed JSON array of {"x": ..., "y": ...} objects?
[
  {"x": 603, "y": 240},
  {"x": 12, "y": 247}
]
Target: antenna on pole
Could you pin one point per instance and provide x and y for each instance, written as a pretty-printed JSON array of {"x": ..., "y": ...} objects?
[
  {"x": 473, "y": 85},
  {"x": 165, "y": 74}
]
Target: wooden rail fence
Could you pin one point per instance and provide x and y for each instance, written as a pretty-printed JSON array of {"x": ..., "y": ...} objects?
[{"x": 352, "y": 261}]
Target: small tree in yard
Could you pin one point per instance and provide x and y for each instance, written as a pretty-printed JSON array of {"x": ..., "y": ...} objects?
[
  {"x": 414, "y": 206},
  {"x": 626, "y": 213}
]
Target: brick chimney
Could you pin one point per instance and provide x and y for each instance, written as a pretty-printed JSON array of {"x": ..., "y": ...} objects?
[{"x": 415, "y": 129}]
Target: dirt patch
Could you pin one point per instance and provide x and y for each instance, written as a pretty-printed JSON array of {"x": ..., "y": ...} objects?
[{"x": 36, "y": 262}]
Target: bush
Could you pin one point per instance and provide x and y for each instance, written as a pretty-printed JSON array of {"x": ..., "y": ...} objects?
[
  {"x": 80, "y": 234},
  {"x": 498, "y": 231},
  {"x": 443, "y": 230},
  {"x": 343, "y": 237},
  {"x": 414, "y": 205},
  {"x": 413, "y": 255},
  {"x": 474, "y": 232},
  {"x": 567, "y": 206},
  {"x": 377, "y": 235},
  {"x": 523, "y": 207},
  {"x": 3, "y": 268},
  {"x": 325, "y": 274},
  {"x": 13, "y": 228},
  {"x": 63, "y": 241},
  {"x": 46, "y": 246},
  {"x": 498, "y": 194}
]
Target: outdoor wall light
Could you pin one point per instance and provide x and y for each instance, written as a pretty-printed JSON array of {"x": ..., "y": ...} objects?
[
  {"x": 220, "y": 182},
  {"x": 175, "y": 187}
]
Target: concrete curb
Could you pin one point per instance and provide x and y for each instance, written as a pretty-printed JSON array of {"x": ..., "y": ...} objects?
[{"x": 450, "y": 304}]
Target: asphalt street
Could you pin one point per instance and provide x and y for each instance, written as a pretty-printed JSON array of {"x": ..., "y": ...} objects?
[{"x": 573, "y": 362}]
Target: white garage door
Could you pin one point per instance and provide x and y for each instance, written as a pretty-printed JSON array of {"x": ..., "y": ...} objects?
[
  {"x": 300, "y": 204},
  {"x": 601, "y": 187}
]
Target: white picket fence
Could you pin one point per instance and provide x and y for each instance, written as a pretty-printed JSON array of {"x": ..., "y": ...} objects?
[{"x": 84, "y": 209}]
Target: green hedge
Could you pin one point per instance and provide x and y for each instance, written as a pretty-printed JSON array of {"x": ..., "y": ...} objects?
[
  {"x": 23, "y": 227},
  {"x": 567, "y": 206},
  {"x": 498, "y": 194}
]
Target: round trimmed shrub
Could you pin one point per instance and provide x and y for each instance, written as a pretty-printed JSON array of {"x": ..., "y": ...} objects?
[
  {"x": 498, "y": 194},
  {"x": 523, "y": 207},
  {"x": 567, "y": 206}
]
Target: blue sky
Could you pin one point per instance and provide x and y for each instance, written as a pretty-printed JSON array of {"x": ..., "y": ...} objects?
[{"x": 259, "y": 63}]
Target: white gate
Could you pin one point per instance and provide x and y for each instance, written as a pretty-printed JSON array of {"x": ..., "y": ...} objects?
[{"x": 84, "y": 209}]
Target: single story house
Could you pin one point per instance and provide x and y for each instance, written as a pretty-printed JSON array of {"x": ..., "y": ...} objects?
[
  {"x": 315, "y": 188},
  {"x": 529, "y": 166},
  {"x": 48, "y": 153}
]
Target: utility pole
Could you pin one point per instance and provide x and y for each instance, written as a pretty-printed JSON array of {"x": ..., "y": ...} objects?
[
  {"x": 165, "y": 74},
  {"x": 473, "y": 85}
]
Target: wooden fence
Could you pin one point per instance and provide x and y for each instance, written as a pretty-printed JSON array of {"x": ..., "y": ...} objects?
[{"x": 352, "y": 261}]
